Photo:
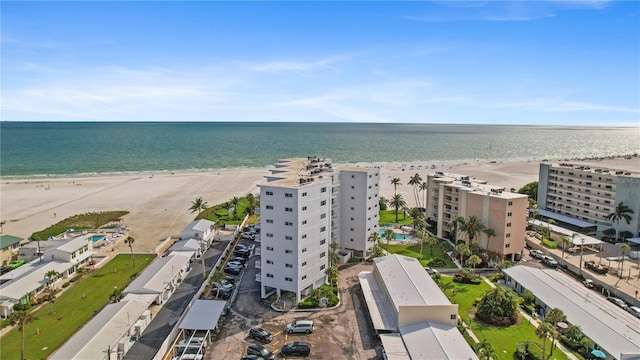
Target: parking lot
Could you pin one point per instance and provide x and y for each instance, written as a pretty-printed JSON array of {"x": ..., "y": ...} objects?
[{"x": 341, "y": 333}]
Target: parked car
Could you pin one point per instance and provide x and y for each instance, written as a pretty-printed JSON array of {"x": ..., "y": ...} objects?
[
  {"x": 261, "y": 335},
  {"x": 237, "y": 264},
  {"x": 536, "y": 254},
  {"x": 255, "y": 349},
  {"x": 4, "y": 270},
  {"x": 300, "y": 326},
  {"x": 252, "y": 357},
  {"x": 299, "y": 348},
  {"x": 220, "y": 293},
  {"x": 248, "y": 236},
  {"x": 223, "y": 285},
  {"x": 618, "y": 302},
  {"x": 239, "y": 259},
  {"x": 232, "y": 270},
  {"x": 430, "y": 271},
  {"x": 588, "y": 283},
  {"x": 16, "y": 263},
  {"x": 242, "y": 253},
  {"x": 635, "y": 311},
  {"x": 549, "y": 261},
  {"x": 194, "y": 341},
  {"x": 230, "y": 279}
]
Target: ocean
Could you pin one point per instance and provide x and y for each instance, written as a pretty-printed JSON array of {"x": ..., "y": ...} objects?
[{"x": 32, "y": 149}]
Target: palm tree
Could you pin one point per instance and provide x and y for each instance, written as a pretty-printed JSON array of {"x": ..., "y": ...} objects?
[
  {"x": 624, "y": 249},
  {"x": 454, "y": 227},
  {"x": 564, "y": 241},
  {"x": 115, "y": 295},
  {"x": 586, "y": 344},
  {"x": 417, "y": 217},
  {"x": 397, "y": 203},
  {"x": 235, "y": 202},
  {"x": 472, "y": 227},
  {"x": 554, "y": 316},
  {"x": 333, "y": 255},
  {"x": 21, "y": 318},
  {"x": 474, "y": 260},
  {"x": 431, "y": 241},
  {"x": 424, "y": 187},
  {"x": 227, "y": 206},
  {"x": 2, "y": 225},
  {"x": 51, "y": 276},
  {"x": 543, "y": 331},
  {"x": 462, "y": 250},
  {"x": 332, "y": 274},
  {"x": 383, "y": 202},
  {"x": 485, "y": 350},
  {"x": 490, "y": 233},
  {"x": 536, "y": 212},
  {"x": 217, "y": 277},
  {"x": 395, "y": 182},
  {"x": 415, "y": 181},
  {"x": 549, "y": 222},
  {"x": 198, "y": 205},
  {"x": 375, "y": 238},
  {"x": 389, "y": 235},
  {"x": 129, "y": 241},
  {"x": 252, "y": 203},
  {"x": 622, "y": 212}
]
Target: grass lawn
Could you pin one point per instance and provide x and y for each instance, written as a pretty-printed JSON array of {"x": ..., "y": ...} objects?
[
  {"x": 413, "y": 250},
  {"x": 503, "y": 339},
  {"x": 389, "y": 217},
  {"x": 92, "y": 220},
  {"x": 219, "y": 214},
  {"x": 71, "y": 310}
]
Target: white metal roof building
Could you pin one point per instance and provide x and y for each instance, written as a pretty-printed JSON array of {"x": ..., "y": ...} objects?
[
  {"x": 115, "y": 329},
  {"x": 614, "y": 330},
  {"x": 161, "y": 277},
  {"x": 402, "y": 298}
]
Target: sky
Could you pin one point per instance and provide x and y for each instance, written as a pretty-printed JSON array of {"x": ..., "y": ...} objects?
[{"x": 455, "y": 62}]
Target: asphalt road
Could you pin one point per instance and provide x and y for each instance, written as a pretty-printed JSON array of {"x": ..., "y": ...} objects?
[{"x": 160, "y": 327}]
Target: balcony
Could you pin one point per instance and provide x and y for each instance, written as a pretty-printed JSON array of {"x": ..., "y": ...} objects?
[{"x": 258, "y": 265}]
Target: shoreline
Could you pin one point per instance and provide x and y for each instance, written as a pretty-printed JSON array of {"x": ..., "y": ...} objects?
[{"x": 158, "y": 202}]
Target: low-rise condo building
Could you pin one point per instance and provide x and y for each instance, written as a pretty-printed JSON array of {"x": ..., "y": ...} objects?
[
  {"x": 303, "y": 208},
  {"x": 452, "y": 195},
  {"x": 589, "y": 194}
]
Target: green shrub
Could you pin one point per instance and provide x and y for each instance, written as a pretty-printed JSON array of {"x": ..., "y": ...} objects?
[
  {"x": 550, "y": 243},
  {"x": 437, "y": 262},
  {"x": 66, "y": 284},
  {"x": 306, "y": 305}
]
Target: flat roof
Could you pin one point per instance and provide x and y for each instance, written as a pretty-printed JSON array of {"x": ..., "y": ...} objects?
[
  {"x": 75, "y": 243},
  {"x": 434, "y": 340},
  {"x": 186, "y": 245},
  {"x": 407, "y": 282},
  {"x": 103, "y": 331},
  {"x": 564, "y": 218},
  {"x": 32, "y": 279},
  {"x": 577, "y": 240},
  {"x": 394, "y": 348},
  {"x": 158, "y": 274},
  {"x": 200, "y": 225},
  {"x": 203, "y": 315},
  {"x": 613, "y": 329},
  {"x": 383, "y": 315}
]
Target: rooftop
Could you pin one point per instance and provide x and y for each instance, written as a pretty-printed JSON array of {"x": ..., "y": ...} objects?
[
  {"x": 609, "y": 326},
  {"x": 200, "y": 225},
  {"x": 299, "y": 171},
  {"x": 475, "y": 185},
  {"x": 597, "y": 169},
  {"x": 8, "y": 240},
  {"x": 158, "y": 274}
]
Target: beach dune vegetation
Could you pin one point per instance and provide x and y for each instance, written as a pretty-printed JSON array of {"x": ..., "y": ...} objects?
[{"x": 88, "y": 221}]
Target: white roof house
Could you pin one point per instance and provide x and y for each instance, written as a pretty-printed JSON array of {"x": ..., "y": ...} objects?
[
  {"x": 161, "y": 276},
  {"x": 614, "y": 330},
  {"x": 199, "y": 229},
  {"x": 115, "y": 328},
  {"x": 33, "y": 280},
  {"x": 402, "y": 298}
]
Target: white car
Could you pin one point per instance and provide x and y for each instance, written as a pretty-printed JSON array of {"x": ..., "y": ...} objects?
[
  {"x": 248, "y": 236},
  {"x": 225, "y": 285},
  {"x": 536, "y": 254},
  {"x": 635, "y": 311}
]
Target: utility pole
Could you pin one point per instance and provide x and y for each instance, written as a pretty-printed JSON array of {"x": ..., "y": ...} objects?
[{"x": 581, "y": 251}]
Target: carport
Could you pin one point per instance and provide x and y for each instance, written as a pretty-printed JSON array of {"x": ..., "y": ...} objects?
[{"x": 197, "y": 325}]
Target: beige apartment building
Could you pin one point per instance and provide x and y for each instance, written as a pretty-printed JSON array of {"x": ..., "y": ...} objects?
[
  {"x": 588, "y": 194},
  {"x": 505, "y": 212}
]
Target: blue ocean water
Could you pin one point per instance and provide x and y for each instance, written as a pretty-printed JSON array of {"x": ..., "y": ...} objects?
[{"x": 65, "y": 148}]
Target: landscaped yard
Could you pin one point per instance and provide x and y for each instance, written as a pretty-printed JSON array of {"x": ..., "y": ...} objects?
[
  {"x": 413, "y": 250},
  {"x": 92, "y": 220},
  {"x": 389, "y": 217},
  {"x": 503, "y": 339},
  {"x": 226, "y": 214},
  {"x": 72, "y": 309}
]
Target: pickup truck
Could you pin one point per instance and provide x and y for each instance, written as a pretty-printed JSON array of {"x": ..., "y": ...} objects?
[{"x": 600, "y": 269}]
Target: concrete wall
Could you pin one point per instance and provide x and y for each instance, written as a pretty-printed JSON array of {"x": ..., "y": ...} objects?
[{"x": 410, "y": 314}]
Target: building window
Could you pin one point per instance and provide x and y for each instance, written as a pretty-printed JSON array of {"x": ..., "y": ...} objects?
[
  {"x": 288, "y": 237},
  {"x": 304, "y": 208},
  {"x": 304, "y": 236},
  {"x": 287, "y": 209},
  {"x": 269, "y": 248},
  {"x": 323, "y": 229},
  {"x": 304, "y": 194},
  {"x": 269, "y": 235},
  {"x": 323, "y": 241},
  {"x": 288, "y": 265},
  {"x": 453, "y": 316},
  {"x": 507, "y": 245},
  {"x": 353, "y": 198},
  {"x": 352, "y": 187},
  {"x": 352, "y": 219},
  {"x": 322, "y": 267},
  {"x": 323, "y": 254},
  {"x": 509, "y": 213},
  {"x": 351, "y": 229},
  {"x": 304, "y": 277},
  {"x": 289, "y": 195},
  {"x": 323, "y": 202},
  {"x": 352, "y": 208},
  {"x": 269, "y": 193},
  {"x": 304, "y": 263},
  {"x": 507, "y": 235},
  {"x": 323, "y": 216},
  {"x": 270, "y": 262},
  {"x": 353, "y": 176},
  {"x": 269, "y": 221},
  {"x": 304, "y": 222},
  {"x": 323, "y": 190},
  {"x": 510, "y": 203},
  {"x": 270, "y": 275},
  {"x": 288, "y": 252},
  {"x": 288, "y": 223},
  {"x": 508, "y": 224},
  {"x": 269, "y": 207},
  {"x": 304, "y": 250},
  {"x": 288, "y": 279}
]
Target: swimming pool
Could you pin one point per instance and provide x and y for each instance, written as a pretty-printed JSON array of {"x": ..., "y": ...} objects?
[
  {"x": 398, "y": 236},
  {"x": 96, "y": 238}
]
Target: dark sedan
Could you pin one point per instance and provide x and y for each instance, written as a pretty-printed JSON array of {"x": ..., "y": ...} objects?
[{"x": 299, "y": 348}]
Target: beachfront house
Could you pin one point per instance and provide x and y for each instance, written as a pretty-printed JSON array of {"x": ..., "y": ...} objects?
[
  {"x": 8, "y": 248},
  {"x": 304, "y": 205},
  {"x": 202, "y": 230},
  {"x": 580, "y": 197},
  {"x": 412, "y": 316},
  {"x": 505, "y": 212},
  {"x": 161, "y": 278}
]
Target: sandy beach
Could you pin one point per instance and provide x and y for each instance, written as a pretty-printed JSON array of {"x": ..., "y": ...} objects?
[{"x": 158, "y": 203}]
